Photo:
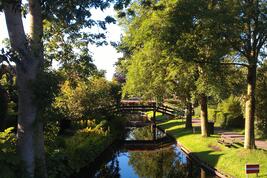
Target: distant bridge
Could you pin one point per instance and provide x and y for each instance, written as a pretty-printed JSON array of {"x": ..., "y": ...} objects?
[{"x": 135, "y": 106}]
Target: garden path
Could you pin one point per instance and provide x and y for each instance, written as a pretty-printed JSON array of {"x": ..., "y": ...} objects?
[{"x": 261, "y": 144}]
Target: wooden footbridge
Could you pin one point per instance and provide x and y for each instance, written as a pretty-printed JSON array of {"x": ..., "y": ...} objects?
[{"x": 135, "y": 106}]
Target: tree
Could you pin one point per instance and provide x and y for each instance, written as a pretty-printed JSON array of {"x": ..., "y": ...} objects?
[
  {"x": 85, "y": 99},
  {"x": 185, "y": 35},
  {"x": 27, "y": 68},
  {"x": 72, "y": 16},
  {"x": 243, "y": 25}
]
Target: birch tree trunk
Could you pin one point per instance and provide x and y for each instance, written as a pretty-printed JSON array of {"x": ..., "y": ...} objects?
[
  {"x": 30, "y": 131},
  {"x": 27, "y": 112}
]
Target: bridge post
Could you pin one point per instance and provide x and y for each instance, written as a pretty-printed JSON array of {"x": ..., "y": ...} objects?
[
  {"x": 154, "y": 113},
  {"x": 154, "y": 121}
]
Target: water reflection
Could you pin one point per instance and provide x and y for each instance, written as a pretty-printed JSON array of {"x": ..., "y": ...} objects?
[
  {"x": 160, "y": 163},
  {"x": 144, "y": 133},
  {"x": 110, "y": 170},
  {"x": 164, "y": 163}
]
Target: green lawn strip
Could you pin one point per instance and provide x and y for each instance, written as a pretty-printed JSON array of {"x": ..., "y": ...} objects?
[
  {"x": 228, "y": 160},
  {"x": 159, "y": 116},
  {"x": 150, "y": 114}
]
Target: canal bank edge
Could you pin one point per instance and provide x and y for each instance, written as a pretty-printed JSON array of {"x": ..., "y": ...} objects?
[{"x": 196, "y": 159}]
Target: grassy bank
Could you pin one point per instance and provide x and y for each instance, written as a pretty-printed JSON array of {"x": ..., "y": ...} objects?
[
  {"x": 81, "y": 149},
  {"x": 228, "y": 160}
]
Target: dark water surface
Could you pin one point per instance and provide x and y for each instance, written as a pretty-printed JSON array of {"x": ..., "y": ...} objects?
[{"x": 164, "y": 162}]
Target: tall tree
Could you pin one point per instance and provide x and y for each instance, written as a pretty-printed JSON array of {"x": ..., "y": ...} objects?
[
  {"x": 243, "y": 25},
  {"x": 182, "y": 35},
  {"x": 31, "y": 55},
  {"x": 71, "y": 17}
]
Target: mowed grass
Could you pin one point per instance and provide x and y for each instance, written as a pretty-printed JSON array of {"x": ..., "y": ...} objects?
[
  {"x": 228, "y": 160},
  {"x": 159, "y": 116}
]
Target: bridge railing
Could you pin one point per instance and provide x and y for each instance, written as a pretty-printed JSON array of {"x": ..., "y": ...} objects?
[{"x": 150, "y": 107}]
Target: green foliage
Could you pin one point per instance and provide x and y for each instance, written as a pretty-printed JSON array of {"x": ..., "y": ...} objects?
[
  {"x": 146, "y": 74},
  {"x": 87, "y": 99},
  {"x": 81, "y": 149},
  {"x": 175, "y": 57},
  {"x": 212, "y": 112},
  {"x": 9, "y": 161},
  {"x": 229, "y": 113},
  {"x": 158, "y": 164},
  {"x": 261, "y": 102},
  {"x": 8, "y": 97},
  {"x": 46, "y": 87},
  {"x": 65, "y": 37},
  {"x": 7, "y": 140},
  {"x": 51, "y": 131}
]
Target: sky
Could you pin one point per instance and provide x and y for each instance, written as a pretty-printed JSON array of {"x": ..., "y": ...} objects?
[{"x": 104, "y": 56}]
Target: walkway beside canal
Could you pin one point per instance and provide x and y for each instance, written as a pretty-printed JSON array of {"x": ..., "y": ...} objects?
[{"x": 260, "y": 144}]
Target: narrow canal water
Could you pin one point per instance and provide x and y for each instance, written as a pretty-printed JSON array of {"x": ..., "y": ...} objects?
[{"x": 163, "y": 162}]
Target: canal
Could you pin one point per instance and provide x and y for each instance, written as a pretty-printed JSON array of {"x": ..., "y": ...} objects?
[{"x": 145, "y": 158}]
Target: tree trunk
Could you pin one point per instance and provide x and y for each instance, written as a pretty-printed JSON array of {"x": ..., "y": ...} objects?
[
  {"x": 27, "y": 111},
  {"x": 204, "y": 115},
  {"x": 189, "y": 111},
  {"x": 249, "y": 142},
  {"x": 41, "y": 170},
  {"x": 30, "y": 132}
]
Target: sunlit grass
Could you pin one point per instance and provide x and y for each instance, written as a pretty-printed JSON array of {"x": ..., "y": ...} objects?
[
  {"x": 228, "y": 160},
  {"x": 159, "y": 116}
]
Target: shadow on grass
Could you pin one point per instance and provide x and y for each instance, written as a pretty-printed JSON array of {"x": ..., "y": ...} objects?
[
  {"x": 161, "y": 118},
  {"x": 176, "y": 129},
  {"x": 179, "y": 132},
  {"x": 207, "y": 157}
]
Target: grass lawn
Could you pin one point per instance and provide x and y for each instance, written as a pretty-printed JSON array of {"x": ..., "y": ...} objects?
[
  {"x": 228, "y": 160},
  {"x": 159, "y": 116}
]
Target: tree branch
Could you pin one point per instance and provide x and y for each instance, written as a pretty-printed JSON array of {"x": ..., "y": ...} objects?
[
  {"x": 234, "y": 63},
  {"x": 15, "y": 28},
  {"x": 222, "y": 63}
]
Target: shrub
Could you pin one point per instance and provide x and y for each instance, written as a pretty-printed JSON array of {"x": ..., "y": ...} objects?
[
  {"x": 86, "y": 99},
  {"x": 9, "y": 160},
  {"x": 229, "y": 113},
  {"x": 82, "y": 148},
  {"x": 51, "y": 132}
]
